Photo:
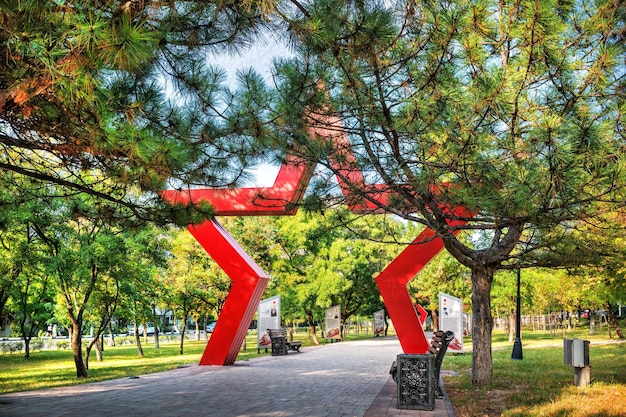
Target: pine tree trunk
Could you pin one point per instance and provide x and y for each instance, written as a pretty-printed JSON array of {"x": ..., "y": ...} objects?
[{"x": 482, "y": 323}]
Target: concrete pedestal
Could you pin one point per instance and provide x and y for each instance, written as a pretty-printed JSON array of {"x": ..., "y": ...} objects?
[{"x": 582, "y": 376}]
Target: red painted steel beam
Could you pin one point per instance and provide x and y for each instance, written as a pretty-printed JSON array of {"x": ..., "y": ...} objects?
[
  {"x": 248, "y": 284},
  {"x": 392, "y": 284},
  {"x": 249, "y": 281},
  {"x": 279, "y": 199},
  {"x": 422, "y": 313}
]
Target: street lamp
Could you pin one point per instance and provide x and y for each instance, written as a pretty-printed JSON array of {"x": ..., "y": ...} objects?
[{"x": 517, "y": 345}]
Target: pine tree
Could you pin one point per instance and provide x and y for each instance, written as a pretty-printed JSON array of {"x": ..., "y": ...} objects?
[
  {"x": 513, "y": 110},
  {"x": 119, "y": 99}
]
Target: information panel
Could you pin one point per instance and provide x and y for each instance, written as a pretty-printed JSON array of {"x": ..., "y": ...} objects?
[
  {"x": 268, "y": 318},
  {"x": 333, "y": 323},
  {"x": 379, "y": 323},
  {"x": 451, "y": 319}
]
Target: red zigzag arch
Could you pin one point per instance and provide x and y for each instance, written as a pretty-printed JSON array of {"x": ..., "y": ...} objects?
[{"x": 249, "y": 280}]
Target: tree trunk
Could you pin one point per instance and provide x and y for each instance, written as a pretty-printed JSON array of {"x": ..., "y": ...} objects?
[
  {"x": 182, "y": 334},
  {"x": 112, "y": 336},
  {"x": 77, "y": 349},
  {"x": 138, "y": 341},
  {"x": 482, "y": 323},
  {"x": 27, "y": 346},
  {"x": 157, "y": 324},
  {"x": 145, "y": 333},
  {"x": 592, "y": 322},
  {"x": 433, "y": 312},
  {"x": 70, "y": 332},
  {"x": 612, "y": 320},
  {"x": 99, "y": 348},
  {"x": 511, "y": 326},
  {"x": 312, "y": 328}
]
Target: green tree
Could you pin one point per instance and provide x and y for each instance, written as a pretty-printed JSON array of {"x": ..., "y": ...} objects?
[
  {"x": 192, "y": 279},
  {"x": 141, "y": 290},
  {"x": 116, "y": 101},
  {"x": 504, "y": 297},
  {"x": 300, "y": 241},
  {"x": 85, "y": 258},
  {"x": 32, "y": 292},
  {"x": 324, "y": 260},
  {"x": 32, "y": 303},
  {"x": 513, "y": 110},
  {"x": 443, "y": 274},
  {"x": 124, "y": 91}
]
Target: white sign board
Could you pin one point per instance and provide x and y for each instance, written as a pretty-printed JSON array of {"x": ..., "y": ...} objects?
[
  {"x": 451, "y": 319},
  {"x": 333, "y": 323},
  {"x": 379, "y": 323},
  {"x": 268, "y": 318}
]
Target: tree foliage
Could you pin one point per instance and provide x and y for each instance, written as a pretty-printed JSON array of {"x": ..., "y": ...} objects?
[
  {"x": 122, "y": 91},
  {"x": 513, "y": 110}
]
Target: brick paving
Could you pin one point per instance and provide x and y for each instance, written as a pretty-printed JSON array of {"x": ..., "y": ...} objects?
[{"x": 348, "y": 379}]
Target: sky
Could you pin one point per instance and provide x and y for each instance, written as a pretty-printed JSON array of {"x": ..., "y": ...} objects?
[{"x": 260, "y": 59}]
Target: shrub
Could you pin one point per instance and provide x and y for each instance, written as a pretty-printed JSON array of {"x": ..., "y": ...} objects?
[
  {"x": 37, "y": 344},
  {"x": 63, "y": 345}
]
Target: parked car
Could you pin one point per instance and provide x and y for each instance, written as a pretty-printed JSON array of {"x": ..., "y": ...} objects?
[
  {"x": 149, "y": 328},
  {"x": 210, "y": 327}
]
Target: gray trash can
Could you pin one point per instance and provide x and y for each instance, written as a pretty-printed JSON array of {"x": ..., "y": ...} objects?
[{"x": 576, "y": 354}]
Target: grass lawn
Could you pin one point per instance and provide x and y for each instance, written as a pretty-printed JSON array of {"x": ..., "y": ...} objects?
[
  {"x": 55, "y": 368},
  {"x": 540, "y": 385}
]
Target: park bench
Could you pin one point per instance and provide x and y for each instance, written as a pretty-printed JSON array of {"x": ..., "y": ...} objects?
[
  {"x": 280, "y": 344},
  {"x": 438, "y": 347}
]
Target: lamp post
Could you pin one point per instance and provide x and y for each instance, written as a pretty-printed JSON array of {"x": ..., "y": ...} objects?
[{"x": 517, "y": 345}]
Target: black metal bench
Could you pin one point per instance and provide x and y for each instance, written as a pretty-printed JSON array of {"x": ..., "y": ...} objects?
[
  {"x": 438, "y": 346},
  {"x": 280, "y": 344},
  {"x": 295, "y": 345}
]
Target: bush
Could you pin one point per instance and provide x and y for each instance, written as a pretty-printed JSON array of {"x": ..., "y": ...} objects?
[
  {"x": 12, "y": 347},
  {"x": 63, "y": 345},
  {"x": 37, "y": 344},
  {"x": 125, "y": 340}
]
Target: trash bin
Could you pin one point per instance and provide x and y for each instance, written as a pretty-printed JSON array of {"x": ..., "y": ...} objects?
[{"x": 415, "y": 377}]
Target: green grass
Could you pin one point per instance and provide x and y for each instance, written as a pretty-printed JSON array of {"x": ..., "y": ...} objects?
[
  {"x": 541, "y": 384},
  {"x": 54, "y": 368}
]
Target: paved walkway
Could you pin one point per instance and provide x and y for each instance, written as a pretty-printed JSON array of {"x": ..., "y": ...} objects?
[{"x": 348, "y": 379}]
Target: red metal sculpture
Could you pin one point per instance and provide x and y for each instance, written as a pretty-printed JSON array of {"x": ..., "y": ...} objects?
[{"x": 249, "y": 281}]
